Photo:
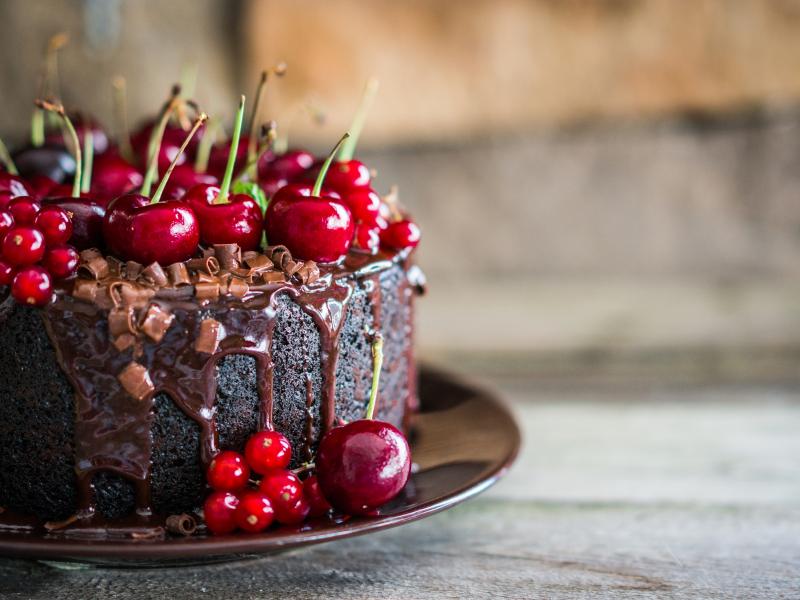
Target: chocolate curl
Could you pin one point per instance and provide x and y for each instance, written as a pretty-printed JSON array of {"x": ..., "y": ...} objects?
[
  {"x": 133, "y": 269},
  {"x": 114, "y": 266},
  {"x": 207, "y": 291},
  {"x": 307, "y": 273},
  {"x": 121, "y": 321},
  {"x": 258, "y": 263},
  {"x": 154, "y": 534},
  {"x": 156, "y": 322},
  {"x": 125, "y": 293},
  {"x": 93, "y": 265},
  {"x": 273, "y": 277},
  {"x": 237, "y": 287},
  {"x": 135, "y": 379},
  {"x": 154, "y": 275},
  {"x": 123, "y": 342},
  {"x": 207, "y": 340},
  {"x": 184, "y": 524},
  {"x": 85, "y": 289},
  {"x": 178, "y": 275},
  {"x": 291, "y": 267},
  {"x": 279, "y": 255},
  {"x": 203, "y": 277},
  {"x": 228, "y": 255}
]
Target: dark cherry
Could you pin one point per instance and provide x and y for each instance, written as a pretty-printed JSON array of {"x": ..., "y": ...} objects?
[
  {"x": 218, "y": 512},
  {"x": 41, "y": 185},
  {"x": 293, "y": 514},
  {"x": 87, "y": 219},
  {"x": 163, "y": 232},
  {"x": 61, "y": 261},
  {"x": 283, "y": 487},
  {"x": 51, "y": 160},
  {"x": 237, "y": 221},
  {"x": 218, "y": 157},
  {"x": 288, "y": 166},
  {"x": 84, "y": 125},
  {"x": 317, "y": 502},
  {"x": 55, "y": 223},
  {"x": 7, "y": 272},
  {"x": 32, "y": 286},
  {"x": 113, "y": 176},
  {"x": 170, "y": 145},
  {"x": 401, "y": 235},
  {"x": 255, "y": 512},
  {"x": 228, "y": 472},
  {"x": 362, "y": 465},
  {"x": 183, "y": 178},
  {"x": 23, "y": 245},
  {"x": 6, "y": 222},
  {"x": 267, "y": 450},
  {"x": 11, "y": 187}
]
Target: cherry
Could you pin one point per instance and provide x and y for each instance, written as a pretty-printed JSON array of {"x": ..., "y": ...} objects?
[
  {"x": 366, "y": 463},
  {"x": 61, "y": 261},
  {"x": 293, "y": 514},
  {"x": 400, "y": 235},
  {"x": 41, "y": 185},
  {"x": 283, "y": 487},
  {"x": 54, "y": 222},
  {"x": 51, "y": 161},
  {"x": 218, "y": 157},
  {"x": 6, "y": 222},
  {"x": 114, "y": 176},
  {"x": 183, "y": 178},
  {"x": 23, "y": 245},
  {"x": 85, "y": 126},
  {"x": 218, "y": 512},
  {"x": 288, "y": 166},
  {"x": 267, "y": 450},
  {"x": 254, "y": 513},
  {"x": 24, "y": 210},
  {"x": 11, "y": 186},
  {"x": 313, "y": 227},
  {"x": 33, "y": 286},
  {"x": 147, "y": 230},
  {"x": 225, "y": 218},
  {"x": 228, "y": 471},
  {"x": 366, "y": 238},
  {"x": 7, "y": 272},
  {"x": 317, "y": 503},
  {"x": 167, "y": 151},
  {"x": 365, "y": 204}
]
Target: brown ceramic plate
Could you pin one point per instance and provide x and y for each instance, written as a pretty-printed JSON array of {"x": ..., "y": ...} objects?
[{"x": 463, "y": 441}]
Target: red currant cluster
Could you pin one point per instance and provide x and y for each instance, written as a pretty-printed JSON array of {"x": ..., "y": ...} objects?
[
  {"x": 280, "y": 495},
  {"x": 34, "y": 249}
]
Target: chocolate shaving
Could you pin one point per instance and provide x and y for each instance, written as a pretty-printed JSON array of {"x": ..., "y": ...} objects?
[
  {"x": 156, "y": 322},
  {"x": 95, "y": 267},
  {"x": 228, "y": 255},
  {"x": 307, "y": 273},
  {"x": 123, "y": 342},
  {"x": 291, "y": 267},
  {"x": 212, "y": 265},
  {"x": 133, "y": 269},
  {"x": 203, "y": 277},
  {"x": 238, "y": 288},
  {"x": 154, "y": 275},
  {"x": 114, "y": 266},
  {"x": 148, "y": 535},
  {"x": 257, "y": 262},
  {"x": 208, "y": 338},
  {"x": 184, "y": 524},
  {"x": 136, "y": 381},
  {"x": 273, "y": 277},
  {"x": 207, "y": 291},
  {"x": 178, "y": 275},
  {"x": 56, "y": 525},
  {"x": 85, "y": 289},
  {"x": 125, "y": 293},
  {"x": 120, "y": 321},
  {"x": 279, "y": 255}
]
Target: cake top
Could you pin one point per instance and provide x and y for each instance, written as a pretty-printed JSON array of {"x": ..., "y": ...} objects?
[{"x": 171, "y": 212}]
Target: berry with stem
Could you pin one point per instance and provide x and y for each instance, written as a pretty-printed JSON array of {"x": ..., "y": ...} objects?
[
  {"x": 32, "y": 286},
  {"x": 228, "y": 472},
  {"x": 267, "y": 450}
]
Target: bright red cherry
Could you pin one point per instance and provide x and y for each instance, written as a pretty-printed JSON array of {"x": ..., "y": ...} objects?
[
  {"x": 11, "y": 186},
  {"x": 218, "y": 512},
  {"x": 293, "y": 514},
  {"x": 314, "y": 227},
  {"x": 7, "y": 272},
  {"x": 87, "y": 219},
  {"x": 349, "y": 176},
  {"x": 228, "y": 471},
  {"x": 366, "y": 238},
  {"x": 23, "y": 245},
  {"x": 32, "y": 286},
  {"x": 168, "y": 150},
  {"x": 288, "y": 166},
  {"x": 366, "y": 463},
  {"x": 41, "y": 185},
  {"x": 317, "y": 503},
  {"x": 183, "y": 178},
  {"x": 218, "y": 157},
  {"x": 61, "y": 261},
  {"x": 283, "y": 487},
  {"x": 6, "y": 222},
  {"x": 113, "y": 176},
  {"x": 267, "y": 450},
  {"x": 54, "y": 222},
  {"x": 400, "y": 235},
  {"x": 255, "y": 512},
  {"x": 24, "y": 209},
  {"x": 365, "y": 204}
]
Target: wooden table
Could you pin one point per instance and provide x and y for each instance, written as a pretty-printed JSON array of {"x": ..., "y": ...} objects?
[{"x": 623, "y": 492}]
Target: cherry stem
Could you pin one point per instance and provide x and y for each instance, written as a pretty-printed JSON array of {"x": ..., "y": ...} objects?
[
  {"x": 58, "y": 109},
  {"x": 252, "y": 145},
  {"x": 120, "y": 89},
  {"x": 327, "y": 165},
  {"x": 205, "y": 145},
  {"x": 269, "y": 133},
  {"x": 37, "y": 128},
  {"x": 377, "y": 365},
  {"x": 88, "y": 161},
  {"x": 155, "y": 142},
  {"x": 349, "y": 149},
  {"x": 162, "y": 186},
  {"x": 5, "y": 158},
  {"x": 225, "y": 187}
]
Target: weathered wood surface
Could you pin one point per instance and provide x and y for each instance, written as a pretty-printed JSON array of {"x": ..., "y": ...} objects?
[{"x": 657, "y": 492}]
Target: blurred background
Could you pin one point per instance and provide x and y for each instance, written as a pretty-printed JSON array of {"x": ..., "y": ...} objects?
[{"x": 609, "y": 190}]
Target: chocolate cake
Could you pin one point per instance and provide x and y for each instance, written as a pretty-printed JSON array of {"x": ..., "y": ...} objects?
[{"x": 117, "y": 394}]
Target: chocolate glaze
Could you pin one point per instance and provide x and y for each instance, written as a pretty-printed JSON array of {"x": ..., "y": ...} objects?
[{"x": 113, "y": 427}]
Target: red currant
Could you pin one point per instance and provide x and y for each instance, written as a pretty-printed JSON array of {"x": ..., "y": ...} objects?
[
  {"x": 33, "y": 286},
  {"x": 255, "y": 512},
  {"x": 293, "y": 514},
  {"x": 365, "y": 204},
  {"x": 228, "y": 472},
  {"x": 54, "y": 222},
  {"x": 400, "y": 235},
  {"x": 23, "y": 246},
  {"x": 283, "y": 487},
  {"x": 219, "y": 510},
  {"x": 268, "y": 450},
  {"x": 7, "y": 273},
  {"x": 61, "y": 261},
  {"x": 6, "y": 222},
  {"x": 317, "y": 502},
  {"x": 366, "y": 238},
  {"x": 24, "y": 209}
]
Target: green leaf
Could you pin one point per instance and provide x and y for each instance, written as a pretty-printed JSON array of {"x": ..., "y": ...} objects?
[{"x": 252, "y": 189}]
